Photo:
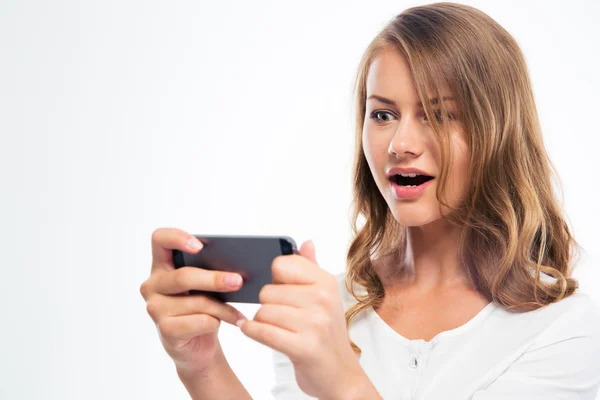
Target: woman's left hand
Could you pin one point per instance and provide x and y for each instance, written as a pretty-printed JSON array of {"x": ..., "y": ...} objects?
[{"x": 302, "y": 316}]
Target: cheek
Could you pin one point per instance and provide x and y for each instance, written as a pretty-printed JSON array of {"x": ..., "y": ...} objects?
[
  {"x": 375, "y": 155},
  {"x": 376, "y": 143},
  {"x": 370, "y": 148},
  {"x": 366, "y": 145}
]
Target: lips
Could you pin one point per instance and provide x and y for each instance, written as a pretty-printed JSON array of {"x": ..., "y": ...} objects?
[
  {"x": 398, "y": 171},
  {"x": 410, "y": 192}
]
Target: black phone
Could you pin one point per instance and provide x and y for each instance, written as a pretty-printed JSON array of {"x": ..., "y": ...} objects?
[{"x": 249, "y": 256}]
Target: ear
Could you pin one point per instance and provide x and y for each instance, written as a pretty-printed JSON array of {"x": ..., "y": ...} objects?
[{"x": 308, "y": 250}]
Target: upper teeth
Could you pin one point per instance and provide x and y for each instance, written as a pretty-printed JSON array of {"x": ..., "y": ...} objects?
[{"x": 409, "y": 175}]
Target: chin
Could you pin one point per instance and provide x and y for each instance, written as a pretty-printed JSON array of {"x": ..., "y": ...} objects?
[
  {"x": 414, "y": 222},
  {"x": 408, "y": 215}
]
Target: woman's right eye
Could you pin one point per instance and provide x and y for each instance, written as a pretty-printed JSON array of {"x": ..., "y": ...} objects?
[{"x": 374, "y": 116}]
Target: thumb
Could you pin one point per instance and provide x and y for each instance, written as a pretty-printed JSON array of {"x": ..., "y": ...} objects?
[{"x": 308, "y": 250}]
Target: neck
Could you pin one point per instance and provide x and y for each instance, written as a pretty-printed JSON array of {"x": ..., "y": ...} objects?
[{"x": 432, "y": 259}]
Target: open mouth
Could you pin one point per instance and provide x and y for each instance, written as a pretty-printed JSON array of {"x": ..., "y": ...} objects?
[{"x": 410, "y": 181}]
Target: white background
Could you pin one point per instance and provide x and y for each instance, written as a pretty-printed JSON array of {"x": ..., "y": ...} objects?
[{"x": 119, "y": 117}]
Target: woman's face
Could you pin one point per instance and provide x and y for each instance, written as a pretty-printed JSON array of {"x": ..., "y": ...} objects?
[{"x": 396, "y": 134}]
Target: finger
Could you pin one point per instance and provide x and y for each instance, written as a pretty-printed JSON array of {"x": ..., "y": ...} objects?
[
  {"x": 160, "y": 307},
  {"x": 286, "y": 317},
  {"x": 308, "y": 250},
  {"x": 187, "y": 326},
  {"x": 193, "y": 278},
  {"x": 279, "y": 339},
  {"x": 300, "y": 296},
  {"x": 294, "y": 268},
  {"x": 165, "y": 240}
]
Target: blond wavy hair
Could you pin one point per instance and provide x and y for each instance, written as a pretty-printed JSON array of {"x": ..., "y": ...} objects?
[{"x": 512, "y": 226}]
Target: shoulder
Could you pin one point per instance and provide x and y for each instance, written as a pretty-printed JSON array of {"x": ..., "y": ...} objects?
[
  {"x": 571, "y": 307},
  {"x": 576, "y": 317},
  {"x": 555, "y": 351},
  {"x": 564, "y": 339}
]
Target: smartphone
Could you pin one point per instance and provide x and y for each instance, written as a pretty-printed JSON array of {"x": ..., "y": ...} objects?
[{"x": 249, "y": 256}]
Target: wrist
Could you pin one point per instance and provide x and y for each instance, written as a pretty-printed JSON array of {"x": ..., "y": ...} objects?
[
  {"x": 364, "y": 391},
  {"x": 357, "y": 386},
  {"x": 216, "y": 368}
]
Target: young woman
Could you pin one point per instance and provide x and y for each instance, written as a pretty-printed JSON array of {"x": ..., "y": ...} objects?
[{"x": 459, "y": 278}]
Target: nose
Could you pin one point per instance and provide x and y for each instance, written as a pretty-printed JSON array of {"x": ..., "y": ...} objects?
[{"x": 408, "y": 140}]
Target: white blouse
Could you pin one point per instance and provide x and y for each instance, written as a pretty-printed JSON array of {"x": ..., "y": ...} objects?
[{"x": 549, "y": 353}]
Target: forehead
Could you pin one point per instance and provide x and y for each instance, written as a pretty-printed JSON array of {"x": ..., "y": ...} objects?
[
  {"x": 389, "y": 72},
  {"x": 390, "y": 76}
]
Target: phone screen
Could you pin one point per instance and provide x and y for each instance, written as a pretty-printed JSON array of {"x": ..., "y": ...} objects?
[{"x": 249, "y": 256}]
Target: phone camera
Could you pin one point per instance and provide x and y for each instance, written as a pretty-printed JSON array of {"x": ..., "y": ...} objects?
[{"x": 286, "y": 248}]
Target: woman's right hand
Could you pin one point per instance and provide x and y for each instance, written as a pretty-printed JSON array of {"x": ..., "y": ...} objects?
[{"x": 187, "y": 324}]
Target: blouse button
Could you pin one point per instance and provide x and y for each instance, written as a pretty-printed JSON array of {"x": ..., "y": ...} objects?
[{"x": 413, "y": 363}]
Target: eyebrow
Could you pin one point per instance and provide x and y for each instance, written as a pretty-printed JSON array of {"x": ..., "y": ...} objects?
[{"x": 385, "y": 100}]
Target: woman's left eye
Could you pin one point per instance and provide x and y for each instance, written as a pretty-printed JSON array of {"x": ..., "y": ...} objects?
[{"x": 374, "y": 116}]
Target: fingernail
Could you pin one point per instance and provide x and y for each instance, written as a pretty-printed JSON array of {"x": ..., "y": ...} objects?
[
  {"x": 233, "y": 280},
  {"x": 194, "y": 243},
  {"x": 240, "y": 322}
]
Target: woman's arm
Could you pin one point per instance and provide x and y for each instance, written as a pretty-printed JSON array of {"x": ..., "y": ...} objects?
[{"x": 220, "y": 382}]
